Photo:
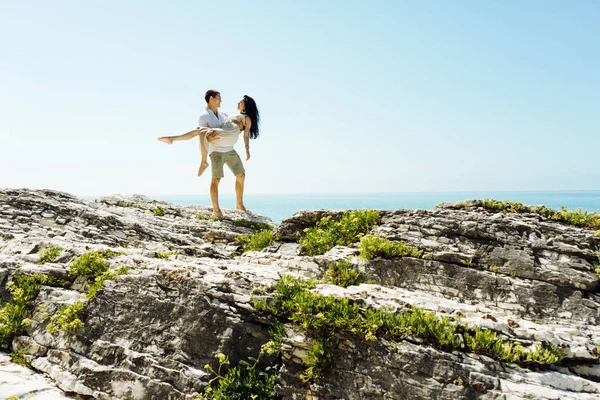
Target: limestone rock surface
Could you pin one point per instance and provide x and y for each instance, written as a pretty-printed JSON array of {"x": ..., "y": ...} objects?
[{"x": 189, "y": 295}]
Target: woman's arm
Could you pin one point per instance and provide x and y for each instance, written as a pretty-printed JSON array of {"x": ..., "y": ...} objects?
[{"x": 247, "y": 125}]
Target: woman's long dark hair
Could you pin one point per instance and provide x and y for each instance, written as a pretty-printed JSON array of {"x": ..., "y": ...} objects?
[{"x": 251, "y": 111}]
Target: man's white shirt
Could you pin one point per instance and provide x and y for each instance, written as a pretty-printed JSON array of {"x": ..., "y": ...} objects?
[{"x": 208, "y": 119}]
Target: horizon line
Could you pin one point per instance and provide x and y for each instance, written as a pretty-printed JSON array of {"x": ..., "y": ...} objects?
[{"x": 355, "y": 193}]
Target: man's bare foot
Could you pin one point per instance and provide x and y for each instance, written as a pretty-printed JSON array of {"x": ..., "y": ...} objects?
[
  {"x": 217, "y": 214},
  {"x": 242, "y": 208},
  {"x": 202, "y": 168},
  {"x": 166, "y": 139}
]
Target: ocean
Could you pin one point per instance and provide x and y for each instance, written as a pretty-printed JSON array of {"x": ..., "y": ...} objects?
[{"x": 281, "y": 206}]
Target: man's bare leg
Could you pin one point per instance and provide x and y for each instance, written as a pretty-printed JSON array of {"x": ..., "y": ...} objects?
[
  {"x": 214, "y": 196},
  {"x": 239, "y": 192},
  {"x": 185, "y": 136},
  {"x": 204, "y": 152}
]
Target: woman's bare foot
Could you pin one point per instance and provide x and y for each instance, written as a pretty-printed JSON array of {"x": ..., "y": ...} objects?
[
  {"x": 202, "y": 168},
  {"x": 242, "y": 208},
  {"x": 217, "y": 214},
  {"x": 166, "y": 139}
]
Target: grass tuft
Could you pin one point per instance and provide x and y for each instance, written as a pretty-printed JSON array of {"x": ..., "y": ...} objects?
[
  {"x": 68, "y": 319},
  {"x": 257, "y": 241},
  {"x": 18, "y": 357},
  {"x": 110, "y": 253},
  {"x": 375, "y": 246},
  {"x": 164, "y": 256},
  {"x": 578, "y": 217},
  {"x": 89, "y": 264},
  {"x": 328, "y": 233},
  {"x": 342, "y": 273},
  {"x": 23, "y": 289},
  {"x": 244, "y": 381},
  {"x": 92, "y": 290},
  {"x": 159, "y": 212},
  {"x": 49, "y": 254},
  {"x": 324, "y": 316}
]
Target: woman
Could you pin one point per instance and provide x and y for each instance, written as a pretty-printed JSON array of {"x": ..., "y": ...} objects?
[{"x": 246, "y": 121}]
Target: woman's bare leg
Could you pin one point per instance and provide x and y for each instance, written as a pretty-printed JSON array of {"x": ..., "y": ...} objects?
[
  {"x": 204, "y": 152},
  {"x": 201, "y": 133},
  {"x": 185, "y": 136}
]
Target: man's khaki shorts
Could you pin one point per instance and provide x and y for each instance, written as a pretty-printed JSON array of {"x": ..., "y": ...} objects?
[{"x": 231, "y": 158}]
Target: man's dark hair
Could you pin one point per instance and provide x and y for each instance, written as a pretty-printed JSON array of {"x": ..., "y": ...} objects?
[{"x": 209, "y": 94}]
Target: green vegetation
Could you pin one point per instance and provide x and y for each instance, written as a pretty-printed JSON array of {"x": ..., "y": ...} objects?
[
  {"x": 164, "y": 256},
  {"x": 375, "y": 246},
  {"x": 89, "y": 264},
  {"x": 324, "y": 316},
  {"x": 49, "y": 254},
  {"x": 92, "y": 289},
  {"x": 159, "y": 212},
  {"x": 110, "y": 253},
  {"x": 328, "y": 233},
  {"x": 256, "y": 242},
  {"x": 245, "y": 381},
  {"x": 508, "y": 206},
  {"x": 24, "y": 289},
  {"x": 318, "y": 358},
  {"x": 203, "y": 217},
  {"x": 69, "y": 317},
  {"x": 577, "y": 217},
  {"x": 12, "y": 398},
  {"x": 598, "y": 265},
  {"x": 242, "y": 382},
  {"x": 487, "y": 342},
  {"x": 18, "y": 357},
  {"x": 342, "y": 273},
  {"x": 277, "y": 333},
  {"x": 256, "y": 226}
]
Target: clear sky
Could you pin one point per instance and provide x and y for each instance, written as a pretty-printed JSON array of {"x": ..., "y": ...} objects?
[{"x": 355, "y": 96}]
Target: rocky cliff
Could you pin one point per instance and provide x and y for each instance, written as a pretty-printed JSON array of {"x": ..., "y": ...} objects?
[{"x": 519, "y": 282}]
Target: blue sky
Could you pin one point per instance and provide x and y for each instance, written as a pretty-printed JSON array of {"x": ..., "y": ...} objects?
[{"x": 355, "y": 96}]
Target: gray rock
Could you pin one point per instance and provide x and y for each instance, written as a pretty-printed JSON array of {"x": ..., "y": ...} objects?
[
  {"x": 148, "y": 334},
  {"x": 24, "y": 383}
]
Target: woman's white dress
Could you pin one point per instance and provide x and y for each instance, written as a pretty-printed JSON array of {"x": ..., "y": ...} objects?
[{"x": 230, "y": 132}]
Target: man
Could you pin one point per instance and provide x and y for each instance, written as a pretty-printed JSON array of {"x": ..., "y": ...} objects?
[{"x": 213, "y": 118}]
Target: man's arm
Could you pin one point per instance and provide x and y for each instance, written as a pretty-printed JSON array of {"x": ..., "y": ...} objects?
[{"x": 203, "y": 127}]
